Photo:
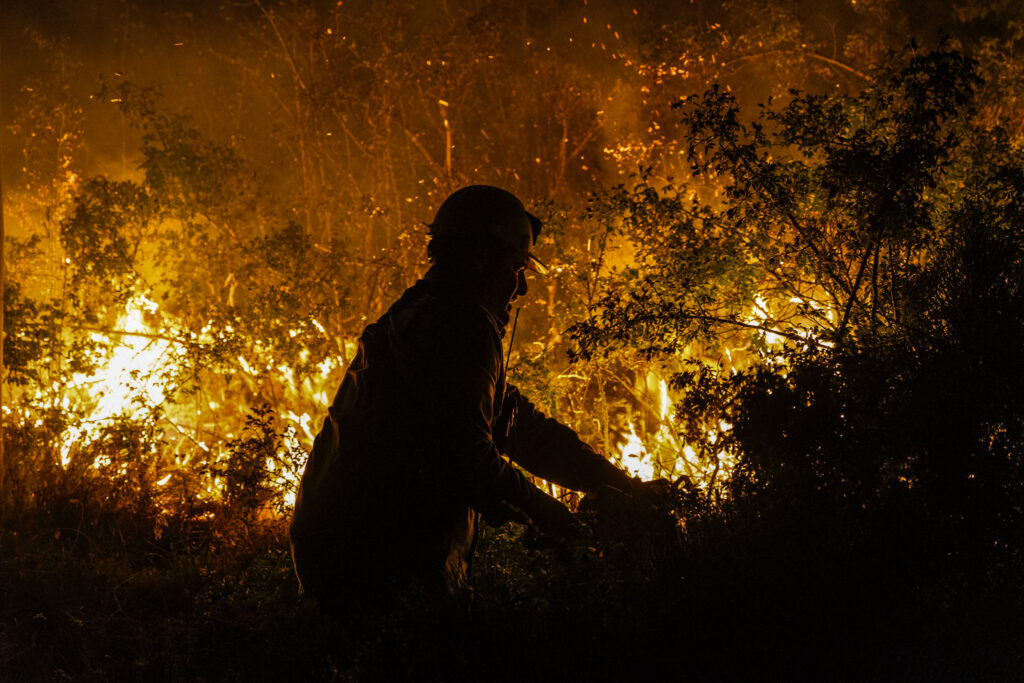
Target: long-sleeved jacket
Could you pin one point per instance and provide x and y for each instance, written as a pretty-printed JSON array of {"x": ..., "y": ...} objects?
[{"x": 408, "y": 455}]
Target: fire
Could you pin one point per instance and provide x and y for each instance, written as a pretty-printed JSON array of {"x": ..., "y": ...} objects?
[
  {"x": 133, "y": 379},
  {"x": 661, "y": 454},
  {"x": 147, "y": 347},
  {"x": 658, "y": 451},
  {"x": 635, "y": 458}
]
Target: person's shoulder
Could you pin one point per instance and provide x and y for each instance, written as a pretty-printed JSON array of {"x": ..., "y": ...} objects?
[
  {"x": 437, "y": 322},
  {"x": 437, "y": 308}
]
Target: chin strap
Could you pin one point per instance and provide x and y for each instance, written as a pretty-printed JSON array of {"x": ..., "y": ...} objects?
[
  {"x": 507, "y": 413},
  {"x": 511, "y": 338}
]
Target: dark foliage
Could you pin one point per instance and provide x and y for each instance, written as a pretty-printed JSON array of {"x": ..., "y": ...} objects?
[{"x": 877, "y": 445}]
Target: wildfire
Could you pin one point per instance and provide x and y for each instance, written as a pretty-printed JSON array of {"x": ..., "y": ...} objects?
[
  {"x": 132, "y": 380},
  {"x": 135, "y": 379},
  {"x": 651, "y": 451},
  {"x": 662, "y": 454}
]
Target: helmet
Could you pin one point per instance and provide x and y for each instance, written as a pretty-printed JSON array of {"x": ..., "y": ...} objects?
[{"x": 490, "y": 210}]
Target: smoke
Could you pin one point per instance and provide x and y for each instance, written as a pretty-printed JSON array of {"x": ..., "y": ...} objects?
[{"x": 232, "y": 68}]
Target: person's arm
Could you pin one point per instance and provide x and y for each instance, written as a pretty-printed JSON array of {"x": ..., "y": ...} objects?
[
  {"x": 452, "y": 365},
  {"x": 554, "y": 452}
]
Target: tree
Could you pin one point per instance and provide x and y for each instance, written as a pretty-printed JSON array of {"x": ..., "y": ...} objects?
[{"x": 869, "y": 247}]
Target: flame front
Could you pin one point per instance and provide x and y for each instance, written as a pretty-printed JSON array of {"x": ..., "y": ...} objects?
[{"x": 136, "y": 373}]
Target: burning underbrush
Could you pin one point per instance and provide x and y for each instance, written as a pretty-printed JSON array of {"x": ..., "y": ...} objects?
[
  {"x": 128, "y": 431},
  {"x": 175, "y": 422}
]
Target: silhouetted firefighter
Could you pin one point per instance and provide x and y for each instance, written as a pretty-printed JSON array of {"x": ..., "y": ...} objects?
[{"x": 410, "y": 455}]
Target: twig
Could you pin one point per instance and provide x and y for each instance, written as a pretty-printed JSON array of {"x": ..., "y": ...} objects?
[
  {"x": 811, "y": 55},
  {"x": 753, "y": 326}
]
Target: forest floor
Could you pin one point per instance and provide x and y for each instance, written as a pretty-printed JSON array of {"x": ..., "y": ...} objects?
[{"x": 92, "y": 606}]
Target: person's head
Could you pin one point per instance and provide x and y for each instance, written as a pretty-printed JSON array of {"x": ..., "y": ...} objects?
[{"x": 483, "y": 234}]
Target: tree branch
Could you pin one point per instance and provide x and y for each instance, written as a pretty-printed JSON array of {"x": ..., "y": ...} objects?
[
  {"x": 125, "y": 333},
  {"x": 809, "y": 55},
  {"x": 856, "y": 287}
]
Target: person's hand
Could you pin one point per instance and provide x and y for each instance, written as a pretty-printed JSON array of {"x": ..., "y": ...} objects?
[
  {"x": 629, "y": 510},
  {"x": 499, "y": 513},
  {"x": 625, "y": 494},
  {"x": 553, "y": 519}
]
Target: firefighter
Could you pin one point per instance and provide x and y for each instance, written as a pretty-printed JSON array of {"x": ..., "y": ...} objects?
[{"x": 410, "y": 453}]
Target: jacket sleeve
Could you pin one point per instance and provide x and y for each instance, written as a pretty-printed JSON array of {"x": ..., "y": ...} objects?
[
  {"x": 554, "y": 452},
  {"x": 453, "y": 366}
]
